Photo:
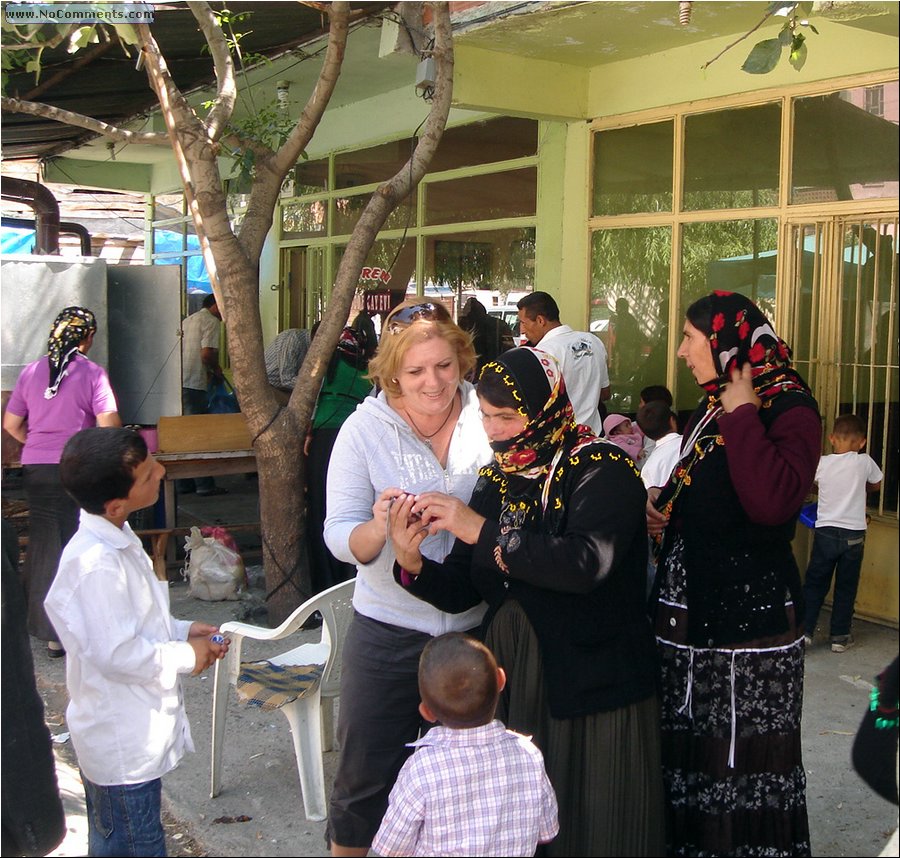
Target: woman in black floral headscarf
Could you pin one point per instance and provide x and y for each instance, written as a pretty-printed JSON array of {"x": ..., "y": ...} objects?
[
  {"x": 554, "y": 541},
  {"x": 727, "y": 591},
  {"x": 55, "y": 397}
]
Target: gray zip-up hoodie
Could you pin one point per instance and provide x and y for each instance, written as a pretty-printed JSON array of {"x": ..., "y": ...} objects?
[{"x": 376, "y": 449}]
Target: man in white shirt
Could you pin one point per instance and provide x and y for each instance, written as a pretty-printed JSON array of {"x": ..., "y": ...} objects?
[
  {"x": 581, "y": 356},
  {"x": 200, "y": 335}
]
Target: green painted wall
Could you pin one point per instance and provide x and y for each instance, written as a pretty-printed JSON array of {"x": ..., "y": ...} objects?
[
  {"x": 118, "y": 175},
  {"x": 674, "y": 77},
  {"x": 521, "y": 86}
]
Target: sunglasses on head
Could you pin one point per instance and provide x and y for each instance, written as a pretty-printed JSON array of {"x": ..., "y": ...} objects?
[{"x": 414, "y": 313}]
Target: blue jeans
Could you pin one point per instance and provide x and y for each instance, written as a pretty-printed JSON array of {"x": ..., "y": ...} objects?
[
  {"x": 124, "y": 820},
  {"x": 839, "y": 552}
]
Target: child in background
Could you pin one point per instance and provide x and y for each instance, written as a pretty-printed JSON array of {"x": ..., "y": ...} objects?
[
  {"x": 653, "y": 393},
  {"x": 844, "y": 478},
  {"x": 625, "y": 434},
  {"x": 657, "y": 422},
  {"x": 472, "y": 787},
  {"x": 125, "y": 652}
]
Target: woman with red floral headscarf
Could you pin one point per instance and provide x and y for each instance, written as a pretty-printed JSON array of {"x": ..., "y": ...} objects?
[
  {"x": 727, "y": 592},
  {"x": 55, "y": 397}
]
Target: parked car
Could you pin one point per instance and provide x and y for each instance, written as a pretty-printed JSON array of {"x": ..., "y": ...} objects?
[{"x": 508, "y": 313}]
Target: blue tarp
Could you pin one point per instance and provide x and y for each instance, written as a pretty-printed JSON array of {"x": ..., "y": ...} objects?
[
  {"x": 19, "y": 240},
  {"x": 196, "y": 275},
  {"x": 15, "y": 239}
]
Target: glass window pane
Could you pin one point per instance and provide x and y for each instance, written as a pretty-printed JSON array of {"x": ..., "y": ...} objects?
[
  {"x": 366, "y": 166},
  {"x": 731, "y": 158},
  {"x": 806, "y": 278},
  {"x": 491, "y": 197},
  {"x": 347, "y": 211},
  {"x": 388, "y": 272},
  {"x": 845, "y": 145},
  {"x": 732, "y": 256},
  {"x": 300, "y": 220},
  {"x": 633, "y": 169},
  {"x": 500, "y": 261},
  {"x": 500, "y": 139},
  {"x": 630, "y": 308},
  {"x": 868, "y": 358},
  {"x": 310, "y": 177}
]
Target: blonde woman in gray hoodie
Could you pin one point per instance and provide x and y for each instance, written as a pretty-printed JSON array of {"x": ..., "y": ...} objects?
[{"x": 421, "y": 433}]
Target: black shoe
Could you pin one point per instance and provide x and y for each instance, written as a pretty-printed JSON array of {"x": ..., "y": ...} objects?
[{"x": 206, "y": 493}]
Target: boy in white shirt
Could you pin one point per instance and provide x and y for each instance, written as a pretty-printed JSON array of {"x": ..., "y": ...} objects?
[
  {"x": 657, "y": 421},
  {"x": 844, "y": 478},
  {"x": 125, "y": 652}
]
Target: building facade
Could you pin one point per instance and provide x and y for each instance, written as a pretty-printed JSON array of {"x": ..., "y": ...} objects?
[{"x": 616, "y": 155}]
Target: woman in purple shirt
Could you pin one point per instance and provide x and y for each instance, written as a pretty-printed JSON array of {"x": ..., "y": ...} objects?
[
  {"x": 55, "y": 397},
  {"x": 727, "y": 591}
]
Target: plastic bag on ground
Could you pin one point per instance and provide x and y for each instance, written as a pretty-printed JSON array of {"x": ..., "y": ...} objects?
[{"x": 213, "y": 566}]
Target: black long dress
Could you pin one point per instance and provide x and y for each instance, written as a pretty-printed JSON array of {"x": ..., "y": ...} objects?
[{"x": 565, "y": 582}]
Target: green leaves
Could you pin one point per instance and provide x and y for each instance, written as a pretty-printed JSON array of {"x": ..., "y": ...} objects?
[
  {"x": 798, "y": 51},
  {"x": 764, "y": 57},
  {"x": 767, "y": 53}
]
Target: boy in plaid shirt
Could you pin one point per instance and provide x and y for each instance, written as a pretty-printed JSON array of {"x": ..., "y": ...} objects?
[{"x": 472, "y": 787}]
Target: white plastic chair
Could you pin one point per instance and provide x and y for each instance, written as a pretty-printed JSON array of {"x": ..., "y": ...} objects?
[{"x": 311, "y": 716}]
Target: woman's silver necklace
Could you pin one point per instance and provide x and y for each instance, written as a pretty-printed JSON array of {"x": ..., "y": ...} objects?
[{"x": 427, "y": 438}]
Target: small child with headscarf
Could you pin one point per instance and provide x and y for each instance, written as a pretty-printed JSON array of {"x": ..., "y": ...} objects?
[{"x": 625, "y": 434}]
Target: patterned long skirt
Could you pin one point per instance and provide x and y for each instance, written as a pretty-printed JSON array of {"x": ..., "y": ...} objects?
[{"x": 732, "y": 761}]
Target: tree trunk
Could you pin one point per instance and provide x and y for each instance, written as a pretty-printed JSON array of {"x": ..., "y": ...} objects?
[
  {"x": 282, "y": 511},
  {"x": 277, "y": 433}
]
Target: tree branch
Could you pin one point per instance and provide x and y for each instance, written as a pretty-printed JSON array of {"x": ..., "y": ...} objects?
[
  {"x": 736, "y": 41},
  {"x": 272, "y": 168},
  {"x": 57, "y": 114},
  {"x": 233, "y": 140},
  {"x": 318, "y": 100},
  {"x": 226, "y": 88},
  {"x": 381, "y": 204},
  {"x": 39, "y": 45},
  {"x": 184, "y": 132}
]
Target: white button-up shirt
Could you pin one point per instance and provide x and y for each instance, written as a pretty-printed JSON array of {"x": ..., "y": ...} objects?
[
  {"x": 200, "y": 330},
  {"x": 124, "y": 656}
]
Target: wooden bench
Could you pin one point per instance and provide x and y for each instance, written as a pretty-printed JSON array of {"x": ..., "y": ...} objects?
[{"x": 197, "y": 445}]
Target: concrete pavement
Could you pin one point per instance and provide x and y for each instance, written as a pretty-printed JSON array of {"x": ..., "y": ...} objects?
[{"x": 260, "y": 778}]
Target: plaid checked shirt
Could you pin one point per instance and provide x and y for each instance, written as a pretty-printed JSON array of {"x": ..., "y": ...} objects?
[{"x": 480, "y": 791}]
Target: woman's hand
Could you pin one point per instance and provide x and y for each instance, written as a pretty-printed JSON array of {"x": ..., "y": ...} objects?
[
  {"x": 444, "y": 512},
  {"x": 656, "y": 521},
  {"x": 407, "y": 532},
  {"x": 382, "y": 507},
  {"x": 367, "y": 539},
  {"x": 739, "y": 391}
]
